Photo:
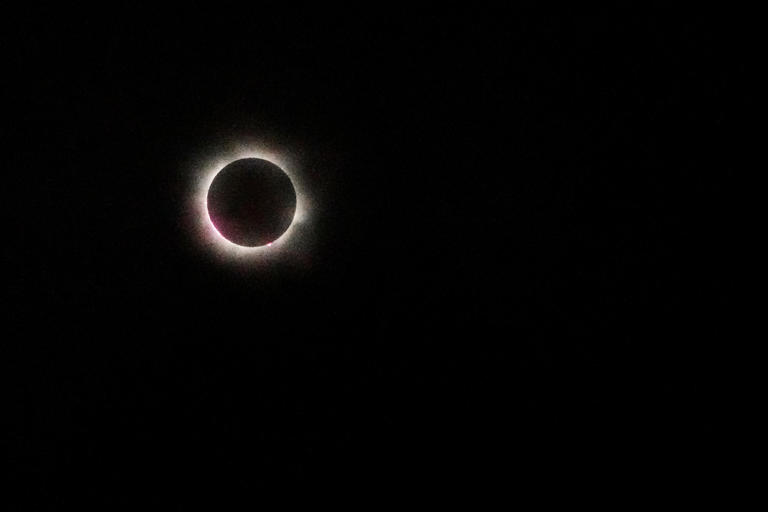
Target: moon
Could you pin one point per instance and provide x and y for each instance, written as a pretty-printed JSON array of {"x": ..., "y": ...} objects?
[{"x": 251, "y": 202}]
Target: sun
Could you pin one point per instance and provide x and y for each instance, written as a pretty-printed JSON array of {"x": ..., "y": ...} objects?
[{"x": 292, "y": 241}]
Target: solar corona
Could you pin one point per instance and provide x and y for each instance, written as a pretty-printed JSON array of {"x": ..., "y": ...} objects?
[{"x": 249, "y": 205}]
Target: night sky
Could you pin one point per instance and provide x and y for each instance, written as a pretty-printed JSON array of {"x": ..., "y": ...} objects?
[{"x": 508, "y": 280}]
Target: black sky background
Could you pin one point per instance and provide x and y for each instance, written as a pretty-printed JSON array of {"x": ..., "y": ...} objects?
[{"x": 509, "y": 285}]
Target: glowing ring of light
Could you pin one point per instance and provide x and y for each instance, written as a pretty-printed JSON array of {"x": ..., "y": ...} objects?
[{"x": 211, "y": 237}]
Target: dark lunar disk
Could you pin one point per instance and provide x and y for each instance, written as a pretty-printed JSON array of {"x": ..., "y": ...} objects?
[{"x": 251, "y": 202}]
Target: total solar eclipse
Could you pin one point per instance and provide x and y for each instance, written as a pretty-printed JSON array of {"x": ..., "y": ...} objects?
[{"x": 251, "y": 202}]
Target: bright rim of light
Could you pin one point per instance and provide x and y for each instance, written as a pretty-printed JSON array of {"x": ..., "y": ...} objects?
[{"x": 211, "y": 236}]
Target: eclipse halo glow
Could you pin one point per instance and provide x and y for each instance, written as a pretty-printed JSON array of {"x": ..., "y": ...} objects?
[{"x": 291, "y": 241}]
